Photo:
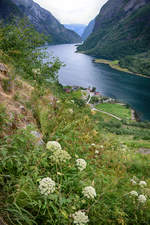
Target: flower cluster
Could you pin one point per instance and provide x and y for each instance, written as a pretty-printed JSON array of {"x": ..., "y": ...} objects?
[
  {"x": 53, "y": 146},
  {"x": 80, "y": 218},
  {"x": 135, "y": 181},
  {"x": 96, "y": 152},
  {"x": 47, "y": 186},
  {"x": 81, "y": 164},
  {"x": 143, "y": 184},
  {"x": 70, "y": 111},
  {"x": 89, "y": 192},
  {"x": 133, "y": 193},
  {"x": 36, "y": 71},
  {"x": 142, "y": 199},
  {"x": 60, "y": 156}
]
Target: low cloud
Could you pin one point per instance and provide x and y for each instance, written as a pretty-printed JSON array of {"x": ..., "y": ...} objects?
[{"x": 73, "y": 11}]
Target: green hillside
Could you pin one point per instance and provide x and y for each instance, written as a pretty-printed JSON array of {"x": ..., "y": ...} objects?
[
  {"x": 125, "y": 37},
  {"x": 62, "y": 163}
]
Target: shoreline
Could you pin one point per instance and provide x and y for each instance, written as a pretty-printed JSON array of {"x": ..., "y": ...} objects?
[{"x": 115, "y": 65}]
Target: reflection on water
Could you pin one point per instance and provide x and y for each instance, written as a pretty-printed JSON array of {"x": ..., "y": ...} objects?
[{"x": 81, "y": 71}]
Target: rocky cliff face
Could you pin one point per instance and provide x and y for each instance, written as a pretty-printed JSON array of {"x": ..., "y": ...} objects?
[
  {"x": 88, "y": 30},
  {"x": 7, "y": 7},
  {"x": 45, "y": 22},
  {"x": 121, "y": 28}
]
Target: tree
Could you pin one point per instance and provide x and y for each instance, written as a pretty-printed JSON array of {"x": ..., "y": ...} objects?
[{"x": 21, "y": 44}]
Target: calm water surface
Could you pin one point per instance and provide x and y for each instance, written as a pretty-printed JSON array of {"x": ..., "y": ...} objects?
[{"x": 81, "y": 71}]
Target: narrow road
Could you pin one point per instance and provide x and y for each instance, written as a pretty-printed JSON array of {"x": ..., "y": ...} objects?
[
  {"x": 109, "y": 114},
  {"x": 98, "y": 110}
]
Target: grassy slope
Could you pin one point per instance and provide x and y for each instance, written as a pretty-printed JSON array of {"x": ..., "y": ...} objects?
[
  {"x": 23, "y": 163},
  {"x": 112, "y": 41}
]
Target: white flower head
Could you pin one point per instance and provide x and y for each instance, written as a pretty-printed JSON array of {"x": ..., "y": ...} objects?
[
  {"x": 53, "y": 146},
  {"x": 60, "y": 156},
  {"x": 92, "y": 144},
  {"x": 134, "y": 193},
  {"x": 101, "y": 146},
  {"x": 96, "y": 152},
  {"x": 89, "y": 192},
  {"x": 80, "y": 218},
  {"x": 142, "y": 198},
  {"x": 47, "y": 186},
  {"x": 81, "y": 164},
  {"x": 133, "y": 182},
  {"x": 36, "y": 71},
  {"x": 143, "y": 184},
  {"x": 70, "y": 111}
]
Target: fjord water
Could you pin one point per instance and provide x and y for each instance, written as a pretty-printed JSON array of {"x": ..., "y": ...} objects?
[{"x": 80, "y": 70}]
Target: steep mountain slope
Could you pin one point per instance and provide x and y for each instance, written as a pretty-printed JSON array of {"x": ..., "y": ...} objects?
[
  {"x": 7, "y": 7},
  {"x": 78, "y": 28},
  {"x": 43, "y": 21},
  {"x": 121, "y": 28},
  {"x": 88, "y": 30}
]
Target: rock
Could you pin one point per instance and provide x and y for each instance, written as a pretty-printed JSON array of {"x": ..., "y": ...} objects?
[
  {"x": 3, "y": 69},
  {"x": 144, "y": 151},
  {"x": 38, "y": 137}
]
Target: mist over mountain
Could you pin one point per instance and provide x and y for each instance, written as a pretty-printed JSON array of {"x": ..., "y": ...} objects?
[{"x": 78, "y": 28}]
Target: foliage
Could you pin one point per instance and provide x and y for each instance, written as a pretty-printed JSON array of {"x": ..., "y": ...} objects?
[
  {"x": 20, "y": 45},
  {"x": 139, "y": 63}
]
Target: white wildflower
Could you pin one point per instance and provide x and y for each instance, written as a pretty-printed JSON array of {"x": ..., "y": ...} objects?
[
  {"x": 53, "y": 146},
  {"x": 133, "y": 193},
  {"x": 81, "y": 164},
  {"x": 142, "y": 198},
  {"x": 96, "y": 152},
  {"x": 70, "y": 111},
  {"x": 60, "y": 156},
  {"x": 36, "y": 71},
  {"x": 89, "y": 192},
  {"x": 80, "y": 218},
  {"x": 143, "y": 184},
  {"x": 101, "y": 146},
  {"x": 47, "y": 186},
  {"x": 92, "y": 144},
  {"x": 133, "y": 182}
]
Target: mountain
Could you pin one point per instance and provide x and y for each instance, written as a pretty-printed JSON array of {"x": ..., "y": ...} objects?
[
  {"x": 7, "y": 7},
  {"x": 121, "y": 28},
  {"x": 88, "y": 30},
  {"x": 43, "y": 20},
  {"x": 78, "y": 28}
]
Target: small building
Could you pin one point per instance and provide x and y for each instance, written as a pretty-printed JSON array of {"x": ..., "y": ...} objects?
[
  {"x": 67, "y": 90},
  {"x": 97, "y": 93}
]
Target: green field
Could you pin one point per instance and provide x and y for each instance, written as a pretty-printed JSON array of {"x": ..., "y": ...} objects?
[{"x": 116, "y": 109}]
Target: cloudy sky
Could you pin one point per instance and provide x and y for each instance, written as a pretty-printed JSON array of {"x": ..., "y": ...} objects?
[{"x": 73, "y": 11}]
